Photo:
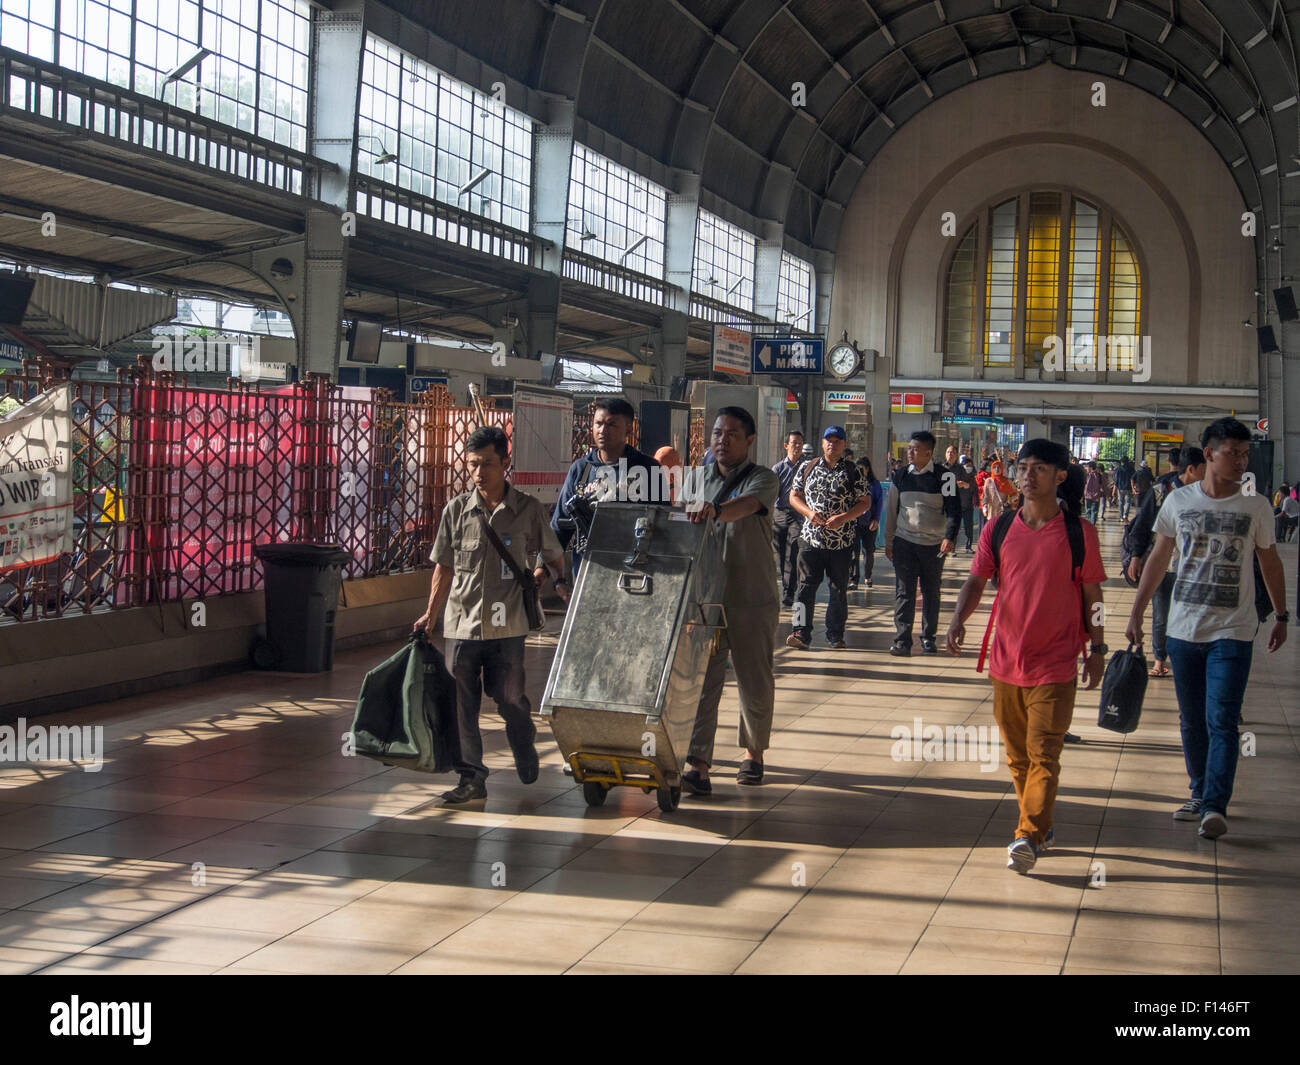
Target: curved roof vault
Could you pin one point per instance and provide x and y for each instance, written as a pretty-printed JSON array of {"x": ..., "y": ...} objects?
[{"x": 705, "y": 86}]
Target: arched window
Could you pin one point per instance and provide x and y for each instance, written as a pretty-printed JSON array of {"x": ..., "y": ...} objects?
[{"x": 1045, "y": 263}]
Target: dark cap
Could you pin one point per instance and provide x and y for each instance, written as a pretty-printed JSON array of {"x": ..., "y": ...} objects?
[{"x": 835, "y": 431}]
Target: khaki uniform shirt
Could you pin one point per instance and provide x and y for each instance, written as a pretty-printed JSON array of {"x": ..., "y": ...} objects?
[
  {"x": 747, "y": 549},
  {"x": 485, "y": 602}
]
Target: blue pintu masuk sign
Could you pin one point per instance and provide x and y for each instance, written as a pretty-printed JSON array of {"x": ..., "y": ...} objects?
[
  {"x": 976, "y": 408},
  {"x": 786, "y": 355}
]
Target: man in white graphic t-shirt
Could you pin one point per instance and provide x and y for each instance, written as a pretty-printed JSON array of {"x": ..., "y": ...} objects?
[{"x": 1218, "y": 528}]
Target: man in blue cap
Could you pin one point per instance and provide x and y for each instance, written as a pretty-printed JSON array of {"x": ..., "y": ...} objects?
[{"x": 829, "y": 494}]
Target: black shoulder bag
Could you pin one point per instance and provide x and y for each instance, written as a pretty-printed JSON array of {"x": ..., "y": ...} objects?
[{"x": 527, "y": 583}]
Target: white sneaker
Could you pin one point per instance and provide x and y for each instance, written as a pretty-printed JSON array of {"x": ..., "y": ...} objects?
[
  {"x": 1021, "y": 856},
  {"x": 1213, "y": 825}
]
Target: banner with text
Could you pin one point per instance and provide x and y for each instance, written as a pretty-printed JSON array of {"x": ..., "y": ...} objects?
[
  {"x": 36, "y": 480},
  {"x": 730, "y": 350}
]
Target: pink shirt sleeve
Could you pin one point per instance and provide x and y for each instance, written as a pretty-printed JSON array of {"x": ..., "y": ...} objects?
[
  {"x": 1093, "y": 572},
  {"x": 982, "y": 565}
]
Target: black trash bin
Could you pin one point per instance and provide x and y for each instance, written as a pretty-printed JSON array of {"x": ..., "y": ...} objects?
[{"x": 302, "y": 594}]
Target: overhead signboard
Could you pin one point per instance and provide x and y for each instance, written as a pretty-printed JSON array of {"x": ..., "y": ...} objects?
[
  {"x": 787, "y": 355},
  {"x": 907, "y": 402},
  {"x": 1094, "y": 431},
  {"x": 973, "y": 408},
  {"x": 1153, "y": 436},
  {"x": 843, "y": 400},
  {"x": 424, "y": 382},
  {"x": 731, "y": 349}
]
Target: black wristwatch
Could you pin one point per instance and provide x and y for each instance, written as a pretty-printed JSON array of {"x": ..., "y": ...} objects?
[
  {"x": 1284, "y": 617},
  {"x": 1098, "y": 649}
]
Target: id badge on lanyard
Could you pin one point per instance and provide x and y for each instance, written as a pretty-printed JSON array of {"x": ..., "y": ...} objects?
[{"x": 506, "y": 574}]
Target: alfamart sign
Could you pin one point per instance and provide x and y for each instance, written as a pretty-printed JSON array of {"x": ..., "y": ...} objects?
[{"x": 36, "y": 480}]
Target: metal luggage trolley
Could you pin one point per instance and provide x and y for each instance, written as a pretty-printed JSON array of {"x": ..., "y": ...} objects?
[{"x": 625, "y": 683}]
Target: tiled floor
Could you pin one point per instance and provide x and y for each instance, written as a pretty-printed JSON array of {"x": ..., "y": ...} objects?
[{"x": 227, "y": 833}]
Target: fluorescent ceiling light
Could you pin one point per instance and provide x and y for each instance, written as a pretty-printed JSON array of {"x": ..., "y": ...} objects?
[{"x": 474, "y": 182}]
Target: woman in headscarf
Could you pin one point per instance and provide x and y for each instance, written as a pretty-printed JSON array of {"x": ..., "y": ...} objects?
[{"x": 999, "y": 493}]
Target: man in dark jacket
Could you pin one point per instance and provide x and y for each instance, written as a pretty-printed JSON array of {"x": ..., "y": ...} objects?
[
  {"x": 606, "y": 466},
  {"x": 921, "y": 520},
  {"x": 786, "y": 521},
  {"x": 1124, "y": 487},
  {"x": 965, "y": 491}
]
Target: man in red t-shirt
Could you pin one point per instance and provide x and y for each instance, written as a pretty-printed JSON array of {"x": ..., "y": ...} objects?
[{"x": 1043, "y": 620}]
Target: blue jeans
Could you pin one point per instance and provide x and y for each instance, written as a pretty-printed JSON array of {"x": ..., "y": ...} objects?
[
  {"x": 1210, "y": 679},
  {"x": 1090, "y": 507}
]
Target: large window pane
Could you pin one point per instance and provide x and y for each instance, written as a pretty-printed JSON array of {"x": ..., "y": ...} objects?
[
  {"x": 724, "y": 261},
  {"x": 1043, "y": 277},
  {"x": 615, "y": 214},
  {"x": 1085, "y": 279},
  {"x": 794, "y": 297},
  {"x": 1125, "y": 288},
  {"x": 999, "y": 299},
  {"x": 255, "y": 78},
  {"x": 445, "y": 135},
  {"x": 959, "y": 336}
]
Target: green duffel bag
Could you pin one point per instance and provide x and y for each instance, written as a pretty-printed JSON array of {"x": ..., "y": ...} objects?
[{"x": 406, "y": 712}]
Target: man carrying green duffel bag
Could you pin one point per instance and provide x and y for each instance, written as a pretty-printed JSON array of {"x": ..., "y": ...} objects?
[{"x": 406, "y": 712}]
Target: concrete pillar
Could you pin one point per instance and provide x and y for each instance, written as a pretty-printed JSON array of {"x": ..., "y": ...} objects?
[
  {"x": 670, "y": 352},
  {"x": 331, "y": 135},
  {"x": 553, "y": 154},
  {"x": 877, "y": 371},
  {"x": 823, "y": 280},
  {"x": 540, "y": 324},
  {"x": 323, "y": 281},
  {"x": 335, "y": 96},
  {"x": 679, "y": 256},
  {"x": 767, "y": 275}
]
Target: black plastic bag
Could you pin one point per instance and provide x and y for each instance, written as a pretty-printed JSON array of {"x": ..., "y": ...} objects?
[{"x": 1122, "y": 690}]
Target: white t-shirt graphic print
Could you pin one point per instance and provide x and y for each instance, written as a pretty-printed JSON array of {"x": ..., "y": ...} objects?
[{"x": 1214, "y": 589}]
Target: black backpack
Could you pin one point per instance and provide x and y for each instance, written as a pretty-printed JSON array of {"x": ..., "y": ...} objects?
[
  {"x": 1122, "y": 690},
  {"x": 1073, "y": 531},
  {"x": 1126, "y": 552}
]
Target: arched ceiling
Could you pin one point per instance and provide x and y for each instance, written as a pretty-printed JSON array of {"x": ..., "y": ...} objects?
[{"x": 705, "y": 86}]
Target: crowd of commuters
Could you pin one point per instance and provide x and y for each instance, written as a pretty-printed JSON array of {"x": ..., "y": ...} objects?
[{"x": 1031, "y": 521}]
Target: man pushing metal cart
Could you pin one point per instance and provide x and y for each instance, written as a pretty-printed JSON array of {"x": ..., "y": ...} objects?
[
  {"x": 664, "y": 597},
  {"x": 626, "y": 678}
]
